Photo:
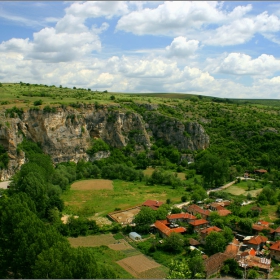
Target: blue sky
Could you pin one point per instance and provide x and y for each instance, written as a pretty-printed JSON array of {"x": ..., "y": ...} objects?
[{"x": 223, "y": 49}]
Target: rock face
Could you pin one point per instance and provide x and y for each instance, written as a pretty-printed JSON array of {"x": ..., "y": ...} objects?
[{"x": 67, "y": 134}]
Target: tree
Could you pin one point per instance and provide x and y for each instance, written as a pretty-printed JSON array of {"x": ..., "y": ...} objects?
[
  {"x": 252, "y": 274},
  {"x": 215, "y": 242},
  {"x": 246, "y": 225},
  {"x": 196, "y": 265},
  {"x": 174, "y": 242},
  {"x": 228, "y": 234},
  {"x": 145, "y": 218},
  {"x": 179, "y": 270}
]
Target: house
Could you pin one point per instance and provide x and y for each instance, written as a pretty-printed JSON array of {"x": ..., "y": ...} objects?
[
  {"x": 199, "y": 224},
  {"x": 194, "y": 242},
  {"x": 275, "y": 250},
  {"x": 277, "y": 232},
  {"x": 205, "y": 232},
  {"x": 153, "y": 204},
  {"x": 182, "y": 217},
  {"x": 216, "y": 206},
  {"x": 256, "y": 242},
  {"x": 232, "y": 248},
  {"x": 262, "y": 225},
  {"x": 135, "y": 236},
  {"x": 250, "y": 261},
  {"x": 196, "y": 210},
  {"x": 224, "y": 212},
  {"x": 214, "y": 264},
  {"x": 164, "y": 230}
]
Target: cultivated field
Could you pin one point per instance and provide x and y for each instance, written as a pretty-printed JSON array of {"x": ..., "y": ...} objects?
[
  {"x": 92, "y": 240},
  {"x": 94, "y": 184},
  {"x": 141, "y": 266}
]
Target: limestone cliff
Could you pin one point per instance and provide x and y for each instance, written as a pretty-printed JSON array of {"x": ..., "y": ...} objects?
[{"x": 66, "y": 133}]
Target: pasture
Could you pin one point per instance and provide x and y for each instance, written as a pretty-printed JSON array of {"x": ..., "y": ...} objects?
[
  {"x": 244, "y": 188},
  {"x": 92, "y": 202},
  {"x": 96, "y": 184}
]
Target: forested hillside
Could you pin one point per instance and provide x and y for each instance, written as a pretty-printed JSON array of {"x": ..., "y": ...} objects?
[{"x": 51, "y": 137}]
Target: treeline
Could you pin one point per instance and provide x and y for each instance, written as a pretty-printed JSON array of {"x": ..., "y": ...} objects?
[{"x": 31, "y": 232}]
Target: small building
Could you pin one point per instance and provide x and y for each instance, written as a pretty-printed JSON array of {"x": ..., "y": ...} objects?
[
  {"x": 165, "y": 231},
  {"x": 223, "y": 212},
  {"x": 195, "y": 210},
  {"x": 214, "y": 264},
  {"x": 232, "y": 248},
  {"x": 199, "y": 224},
  {"x": 153, "y": 204},
  {"x": 256, "y": 242},
  {"x": 182, "y": 217},
  {"x": 205, "y": 232},
  {"x": 277, "y": 232},
  {"x": 194, "y": 242},
  {"x": 135, "y": 236},
  {"x": 260, "y": 171},
  {"x": 275, "y": 250}
]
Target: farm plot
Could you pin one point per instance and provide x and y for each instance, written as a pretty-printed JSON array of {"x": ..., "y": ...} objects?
[
  {"x": 94, "y": 184},
  {"x": 139, "y": 266},
  {"x": 92, "y": 240},
  {"x": 237, "y": 190}
]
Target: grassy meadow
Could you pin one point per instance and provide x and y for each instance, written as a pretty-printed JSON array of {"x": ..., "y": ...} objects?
[
  {"x": 242, "y": 188},
  {"x": 123, "y": 195}
]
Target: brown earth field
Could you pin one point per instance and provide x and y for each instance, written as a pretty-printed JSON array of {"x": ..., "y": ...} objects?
[
  {"x": 92, "y": 240},
  {"x": 94, "y": 184},
  {"x": 141, "y": 266}
]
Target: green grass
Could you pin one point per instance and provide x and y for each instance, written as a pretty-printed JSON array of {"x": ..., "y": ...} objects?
[
  {"x": 108, "y": 257},
  {"x": 124, "y": 195},
  {"x": 242, "y": 188}
]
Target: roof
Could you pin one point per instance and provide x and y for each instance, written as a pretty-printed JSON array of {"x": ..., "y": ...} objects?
[
  {"x": 161, "y": 226},
  {"x": 193, "y": 242},
  {"x": 217, "y": 206},
  {"x": 134, "y": 234},
  {"x": 224, "y": 212},
  {"x": 214, "y": 262},
  {"x": 210, "y": 229},
  {"x": 260, "y": 228},
  {"x": 196, "y": 208},
  {"x": 275, "y": 246},
  {"x": 263, "y": 223},
  {"x": 277, "y": 230},
  {"x": 154, "y": 204},
  {"x": 181, "y": 216},
  {"x": 198, "y": 222},
  {"x": 261, "y": 171},
  {"x": 256, "y": 208},
  {"x": 232, "y": 248},
  {"x": 257, "y": 240}
]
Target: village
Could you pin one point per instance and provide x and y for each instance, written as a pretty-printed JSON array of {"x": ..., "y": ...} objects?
[{"x": 251, "y": 251}]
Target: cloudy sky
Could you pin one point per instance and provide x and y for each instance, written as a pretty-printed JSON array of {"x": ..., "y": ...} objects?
[{"x": 223, "y": 49}]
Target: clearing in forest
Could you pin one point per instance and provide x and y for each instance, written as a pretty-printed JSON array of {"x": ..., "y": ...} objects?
[
  {"x": 237, "y": 190},
  {"x": 94, "y": 184},
  {"x": 92, "y": 240},
  {"x": 139, "y": 266}
]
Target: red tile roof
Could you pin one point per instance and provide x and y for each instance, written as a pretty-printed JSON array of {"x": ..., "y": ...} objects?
[
  {"x": 181, "y": 216},
  {"x": 154, "y": 204},
  {"x": 193, "y": 242},
  {"x": 233, "y": 248},
  {"x": 257, "y": 240},
  {"x": 224, "y": 212},
  {"x": 214, "y": 263},
  {"x": 277, "y": 230},
  {"x": 260, "y": 228},
  {"x": 210, "y": 229},
  {"x": 199, "y": 210},
  {"x": 261, "y": 171},
  {"x": 198, "y": 222},
  {"x": 275, "y": 246},
  {"x": 161, "y": 226}
]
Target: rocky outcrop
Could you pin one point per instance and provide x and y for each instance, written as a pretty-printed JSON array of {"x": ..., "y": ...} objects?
[{"x": 67, "y": 133}]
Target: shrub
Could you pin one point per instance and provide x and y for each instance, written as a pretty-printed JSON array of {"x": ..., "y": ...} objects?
[{"x": 38, "y": 102}]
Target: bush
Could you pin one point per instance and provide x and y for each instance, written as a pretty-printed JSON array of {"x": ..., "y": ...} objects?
[{"x": 38, "y": 102}]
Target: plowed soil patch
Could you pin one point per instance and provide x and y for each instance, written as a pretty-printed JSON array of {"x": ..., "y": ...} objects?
[
  {"x": 95, "y": 184},
  {"x": 92, "y": 240},
  {"x": 137, "y": 265},
  {"x": 123, "y": 245}
]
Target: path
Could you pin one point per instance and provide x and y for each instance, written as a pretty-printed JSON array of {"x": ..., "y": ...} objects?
[{"x": 221, "y": 188}]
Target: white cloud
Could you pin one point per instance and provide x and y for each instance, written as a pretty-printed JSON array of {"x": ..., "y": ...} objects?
[
  {"x": 177, "y": 18},
  {"x": 96, "y": 9},
  {"x": 243, "y": 64},
  {"x": 180, "y": 47}
]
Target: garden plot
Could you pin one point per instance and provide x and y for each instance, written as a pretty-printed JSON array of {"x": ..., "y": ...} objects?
[
  {"x": 139, "y": 265},
  {"x": 92, "y": 240},
  {"x": 94, "y": 184}
]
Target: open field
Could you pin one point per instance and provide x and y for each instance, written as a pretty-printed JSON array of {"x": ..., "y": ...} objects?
[
  {"x": 92, "y": 240},
  {"x": 141, "y": 266},
  {"x": 125, "y": 217},
  {"x": 94, "y": 184},
  {"x": 242, "y": 188},
  {"x": 92, "y": 203}
]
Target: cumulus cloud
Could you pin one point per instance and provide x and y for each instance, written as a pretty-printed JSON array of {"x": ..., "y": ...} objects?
[
  {"x": 181, "y": 47},
  {"x": 243, "y": 64}
]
